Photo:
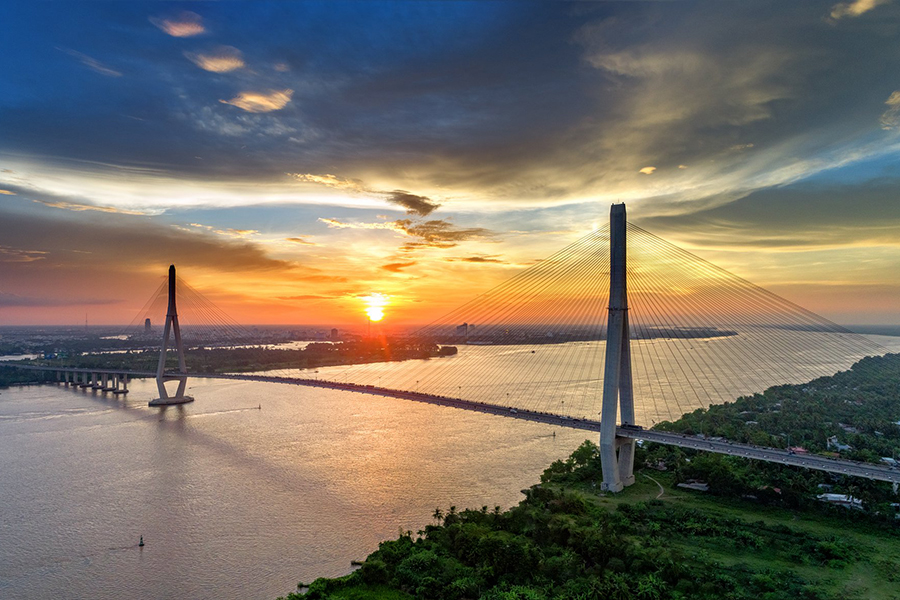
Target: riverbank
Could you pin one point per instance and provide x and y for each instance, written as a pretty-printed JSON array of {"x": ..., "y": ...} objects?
[
  {"x": 567, "y": 541},
  {"x": 757, "y": 531}
]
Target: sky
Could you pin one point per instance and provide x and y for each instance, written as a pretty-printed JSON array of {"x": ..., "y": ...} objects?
[{"x": 297, "y": 159}]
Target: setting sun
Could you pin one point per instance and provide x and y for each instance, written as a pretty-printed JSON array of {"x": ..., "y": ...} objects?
[{"x": 375, "y": 304}]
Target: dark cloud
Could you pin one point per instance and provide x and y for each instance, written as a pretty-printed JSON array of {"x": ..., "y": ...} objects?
[
  {"x": 439, "y": 233},
  {"x": 802, "y": 215},
  {"x": 414, "y": 205},
  {"x": 86, "y": 246},
  {"x": 535, "y": 102}
]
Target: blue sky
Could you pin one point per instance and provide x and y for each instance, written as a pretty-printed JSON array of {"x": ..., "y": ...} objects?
[{"x": 283, "y": 150}]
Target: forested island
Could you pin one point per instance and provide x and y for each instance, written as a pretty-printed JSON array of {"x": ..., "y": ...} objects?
[
  {"x": 242, "y": 360},
  {"x": 761, "y": 531}
]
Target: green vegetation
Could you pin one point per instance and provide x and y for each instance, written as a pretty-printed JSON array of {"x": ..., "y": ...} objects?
[
  {"x": 759, "y": 534},
  {"x": 240, "y": 360},
  {"x": 10, "y": 377},
  {"x": 858, "y": 409},
  {"x": 567, "y": 541}
]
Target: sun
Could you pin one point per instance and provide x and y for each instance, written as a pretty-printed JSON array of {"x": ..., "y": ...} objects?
[{"x": 375, "y": 304}]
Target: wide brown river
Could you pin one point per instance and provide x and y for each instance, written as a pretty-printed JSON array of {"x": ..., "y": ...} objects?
[
  {"x": 255, "y": 487},
  {"x": 234, "y": 501}
]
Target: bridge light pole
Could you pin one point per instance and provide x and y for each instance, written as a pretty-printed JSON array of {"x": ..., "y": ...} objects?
[
  {"x": 174, "y": 328},
  {"x": 617, "y": 453}
]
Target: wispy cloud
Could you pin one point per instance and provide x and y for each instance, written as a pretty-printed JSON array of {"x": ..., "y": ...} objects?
[
  {"x": 397, "y": 266},
  {"x": 91, "y": 63},
  {"x": 185, "y": 24},
  {"x": 334, "y": 223},
  {"x": 307, "y": 297},
  {"x": 74, "y": 206},
  {"x": 8, "y": 254},
  {"x": 7, "y": 193},
  {"x": 436, "y": 233},
  {"x": 235, "y": 233},
  {"x": 413, "y": 203},
  {"x": 261, "y": 102},
  {"x": 891, "y": 117},
  {"x": 332, "y": 181},
  {"x": 220, "y": 60}
]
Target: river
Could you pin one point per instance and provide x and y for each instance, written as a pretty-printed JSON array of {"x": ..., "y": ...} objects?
[
  {"x": 234, "y": 501},
  {"x": 255, "y": 487}
]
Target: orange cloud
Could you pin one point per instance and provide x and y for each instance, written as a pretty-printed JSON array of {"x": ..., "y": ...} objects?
[
  {"x": 477, "y": 259},
  {"x": 397, "y": 267},
  {"x": 854, "y": 8},
  {"x": 186, "y": 24},
  {"x": 221, "y": 60},
  {"x": 297, "y": 240},
  {"x": 260, "y": 102},
  {"x": 7, "y": 193}
]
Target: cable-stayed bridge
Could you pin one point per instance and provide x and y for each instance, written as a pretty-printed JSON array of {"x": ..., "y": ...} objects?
[{"x": 620, "y": 325}]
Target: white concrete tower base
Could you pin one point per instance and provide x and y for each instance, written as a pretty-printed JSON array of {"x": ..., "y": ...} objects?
[
  {"x": 161, "y": 377},
  {"x": 616, "y": 453}
]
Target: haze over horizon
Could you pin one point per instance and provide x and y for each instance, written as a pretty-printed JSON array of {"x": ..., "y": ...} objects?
[{"x": 301, "y": 161}]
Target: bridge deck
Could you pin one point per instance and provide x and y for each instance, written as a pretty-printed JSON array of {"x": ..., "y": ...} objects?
[{"x": 809, "y": 461}]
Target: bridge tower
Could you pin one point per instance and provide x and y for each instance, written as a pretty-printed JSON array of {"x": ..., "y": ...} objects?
[
  {"x": 617, "y": 453},
  {"x": 161, "y": 377}
]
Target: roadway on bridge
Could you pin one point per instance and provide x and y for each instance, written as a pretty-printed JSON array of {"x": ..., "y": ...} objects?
[{"x": 719, "y": 446}]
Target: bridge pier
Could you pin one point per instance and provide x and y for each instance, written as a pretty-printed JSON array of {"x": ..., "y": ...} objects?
[
  {"x": 123, "y": 380},
  {"x": 85, "y": 380},
  {"x": 104, "y": 379},
  {"x": 617, "y": 453},
  {"x": 174, "y": 328}
]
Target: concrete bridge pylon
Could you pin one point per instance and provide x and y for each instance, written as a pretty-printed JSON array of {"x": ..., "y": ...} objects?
[
  {"x": 617, "y": 453},
  {"x": 172, "y": 327}
]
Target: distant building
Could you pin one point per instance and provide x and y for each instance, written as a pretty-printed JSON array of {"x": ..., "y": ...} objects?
[
  {"x": 462, "y": 331},
  {"x": 844, "y": 500},
  {"x": 147, "y": 325},
  {"x": 834, "y": 443},
  {"x": 334, "y": 334}
]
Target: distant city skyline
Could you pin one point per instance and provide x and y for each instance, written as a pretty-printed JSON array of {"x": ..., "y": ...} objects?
[{"x": 307, "y": 162}]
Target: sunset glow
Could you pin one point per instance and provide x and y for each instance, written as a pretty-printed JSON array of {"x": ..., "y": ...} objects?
[
  {"x": 288, "y": 174},
  {"x": 375, "y": 304}
]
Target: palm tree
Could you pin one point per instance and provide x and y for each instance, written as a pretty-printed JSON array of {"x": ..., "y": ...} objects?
[{"x": 438, "y": 515}]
